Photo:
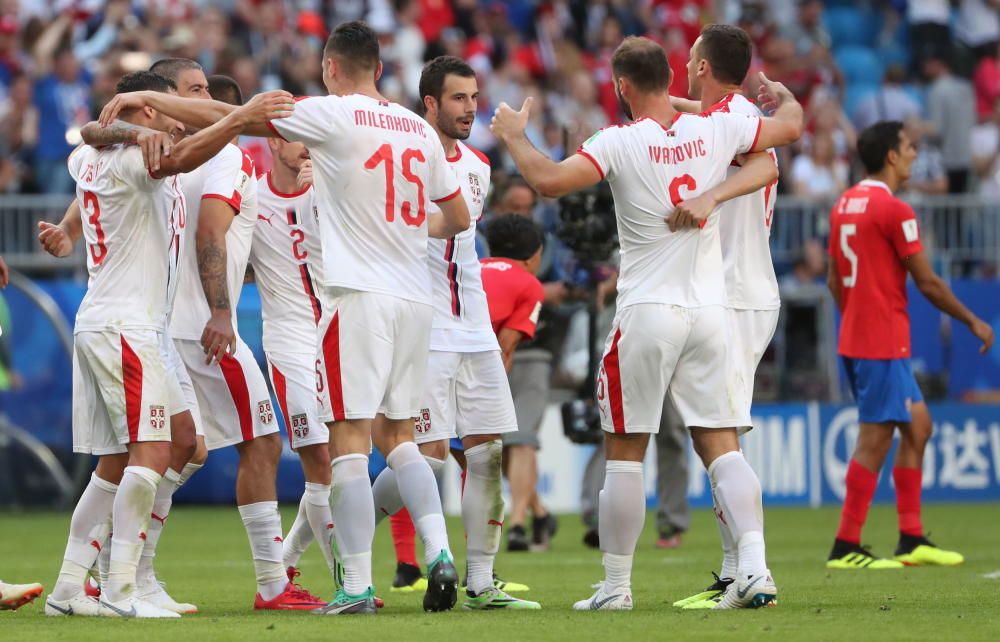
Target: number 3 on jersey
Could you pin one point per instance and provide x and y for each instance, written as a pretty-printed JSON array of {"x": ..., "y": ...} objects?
[
  {"x": 846, "y": 232},
  {"x": 98, "y": 251},
  {"x": 384, "y": 155}
]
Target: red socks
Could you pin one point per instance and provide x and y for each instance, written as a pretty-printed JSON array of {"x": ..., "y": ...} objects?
[
  {"x": 861, "y": 484},
  {"x": 403, "y": 535},
  {"x": 908, "y": 482}
]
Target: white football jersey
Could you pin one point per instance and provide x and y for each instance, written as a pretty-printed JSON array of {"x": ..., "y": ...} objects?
[
  {"x": 745, "y": 230},
  {"x": 376, "y": 165},
  {"x": 131, "y": 225},
  {"x": 229, "y": 176},
  {"x": 651, "y": 168},
  {"x": 287, "y": 259},
  {"x": 461, "y": 314}
]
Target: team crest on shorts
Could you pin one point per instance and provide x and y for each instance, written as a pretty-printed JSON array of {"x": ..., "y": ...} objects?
[
  {"x": 157, "y": 417},
  {"x": 424, "y": 421},
  {"x": 265, "y": 412},
  {"x": 300, "y": 426}
]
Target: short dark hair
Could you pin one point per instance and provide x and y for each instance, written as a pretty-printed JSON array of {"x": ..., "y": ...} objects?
[
  {"x": 875, "y": 143},
  {"x": 644, "y": 63},
  {"x": 144, "y": 81},
  {"x": 512, "y": 236},
  {"x": 225, "y": 89},
  {"x": 728, "y": 50},
  {"x": 356, "y": 47},
  {"x": 434, "y": 73},
  {"x": 172, "y": 67}
]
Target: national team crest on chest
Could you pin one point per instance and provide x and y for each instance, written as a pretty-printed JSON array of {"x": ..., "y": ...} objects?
[{"x": 476, "y": 188}]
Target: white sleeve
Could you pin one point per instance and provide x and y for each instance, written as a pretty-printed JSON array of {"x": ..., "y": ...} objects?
[
  {"x": 735, "y": 133},
  {"x": 74, "y": 161},
  {"x": 599, "y": 150},
  {"x": 444, "y": 182},
  {"x": 984, "y": 142},
  {"x": 227, "y": 176},
  {"x": 314, "y": 121},
  {"x": 131, "y": 169}
]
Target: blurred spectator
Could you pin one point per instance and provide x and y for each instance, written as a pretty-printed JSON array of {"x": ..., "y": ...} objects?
[
  {"x": 978, "y": 26},
  {"x": 986, "y": 154},
  {"x": 889, "y": 102},
  {"x": 809, "y": 268},
  {"x": 827, "y": 117},
  {"x": 63, "y": 101},
  {"x": 930, "y": 34},
  {"x": 927, "y": 174},
  {"x": 952, "y": 114},
  {"x": 819, "y": 174},
  {"x": 781, "y": 64},
  {"x": 987, "y": 83},
  {"x": 810, "y": 38},
  {"x": 18, "y": 133}
]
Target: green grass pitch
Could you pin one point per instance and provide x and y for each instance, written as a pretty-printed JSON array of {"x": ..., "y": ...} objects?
[{"x": 204, "y": 556}]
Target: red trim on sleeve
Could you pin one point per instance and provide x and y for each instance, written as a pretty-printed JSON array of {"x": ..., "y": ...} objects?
[
  {"x": 756, "y": 137},
  {"x": 481, "y": 156},
  {"x": 448, "y": 197},
  {"x": 593, "y": 160},
  {"x": 233, "y": 201},
  {"x": 271, "y": 126}
]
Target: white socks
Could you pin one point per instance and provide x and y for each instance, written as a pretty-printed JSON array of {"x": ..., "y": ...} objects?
[
  {"x": 622, "y": 512},
  {"x": 419, "y": 490},
  {"x": 730, "y": 552},
  {"x": 385, "y": 491},
  {"x": 132, "y": 507},
  {"x": 157, "y": 520},
  {"x": 317, "y": 501},
  {"x": 187, "y": 472},
  {"x": 738, "y": 495},
  {"x": 482, "y": 512},
  {"x": 88, "y": 530},
  {"x": 299, "y": 536},
  {"x": 351, "y": 505},
  {"x": 263, "y": 525}
]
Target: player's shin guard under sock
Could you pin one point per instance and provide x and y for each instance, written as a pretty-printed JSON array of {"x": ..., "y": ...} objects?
[
  {"x": 739, "y": 497},
  {"x": 860, "y": 484},
  {"x": 133, "y": 506},
  {"x": 88, "y": 530},
  {"x": 187, "y": 472},
  {"x": 317, "y": 501},
  {"x": 482, "y": 512},
  {"x": 419, "y": 490},
  {"x": 351, "y": 505},
  {"x": 730, "y": 552},
  {"x": 299, "y": 537},
  {"x": 908, "y": 481},
  {"x": 385, "y": 492},
  {"x": 622, "y": 512},
  {"x": 157, "y": 520},
  {"x": 404, "y": 538},
  {"x": 263, "y": 525}
]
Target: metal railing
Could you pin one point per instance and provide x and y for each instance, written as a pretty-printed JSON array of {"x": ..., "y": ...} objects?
[{"x": 19, "y": 217}]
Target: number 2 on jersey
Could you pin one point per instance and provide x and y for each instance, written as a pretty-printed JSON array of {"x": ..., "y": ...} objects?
[
  {"x": 98, "y": 251},
  {"x": 384, "y": 155},
  {"x": 846, "y": 232}
]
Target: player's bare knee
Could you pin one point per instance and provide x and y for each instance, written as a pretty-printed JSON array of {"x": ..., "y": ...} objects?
[
  {"x": 200, "y": 455},
  {"x": 626, "y": 447},
  {"x": 183, "y": 440},
  {"x": 435, "y": 449},
  {"x": 154, "y": 455},
  {"x": 110, "y": 468},
  {"x": 315, "y": 463}
]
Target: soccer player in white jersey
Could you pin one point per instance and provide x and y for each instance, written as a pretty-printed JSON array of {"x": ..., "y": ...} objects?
[
  {"x": 287, "y": 261},
  {"x": 717, "y": 67},
  {"x": 670, "y": 332},
  {"x": 123, "y": 391},
  {"x": 376, "y": 165},
  {"x": 466, "y": 393}
]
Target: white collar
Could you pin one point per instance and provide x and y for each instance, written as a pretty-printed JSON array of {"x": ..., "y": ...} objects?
[{"x": 874, "y": 183}]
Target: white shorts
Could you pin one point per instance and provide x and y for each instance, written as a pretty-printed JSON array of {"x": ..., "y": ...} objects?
[
  {"x": 466, "y": 393},
  {"x": 752, "y": 331},
  {"x": 373, "y": 355},
  {"x": 121, "y": 391},
  {"x": 657, "y": 348},
  {"x": 293, "y": 378},
  {"x": 186, "y": 401},
  {"x": 234, "y": 403}
]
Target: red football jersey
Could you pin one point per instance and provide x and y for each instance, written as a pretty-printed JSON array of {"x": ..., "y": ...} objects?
[
  {"x": 871, "y": 232},
  {"x": 514, "y": 296}
]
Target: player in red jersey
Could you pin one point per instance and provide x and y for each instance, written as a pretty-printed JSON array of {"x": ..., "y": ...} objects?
[{"x": 874, "y": 243}]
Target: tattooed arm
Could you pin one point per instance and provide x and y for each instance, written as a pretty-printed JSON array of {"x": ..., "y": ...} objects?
[
  {"x": 155, "y": 145},
  {"x": 214, "y": 218}
]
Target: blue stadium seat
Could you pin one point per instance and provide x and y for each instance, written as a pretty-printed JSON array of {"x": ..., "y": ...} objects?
[
  {"x": 853, "y": 95},
  {"x": 851, "y": 26},
  {"x": 895, "y": 54},
  {"x": 859, "y": 65}
]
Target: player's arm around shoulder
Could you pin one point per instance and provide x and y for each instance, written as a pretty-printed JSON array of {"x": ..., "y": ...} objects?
[
  {"x": 547, "y": 177},
  {"x": 785, "y": 125}
]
